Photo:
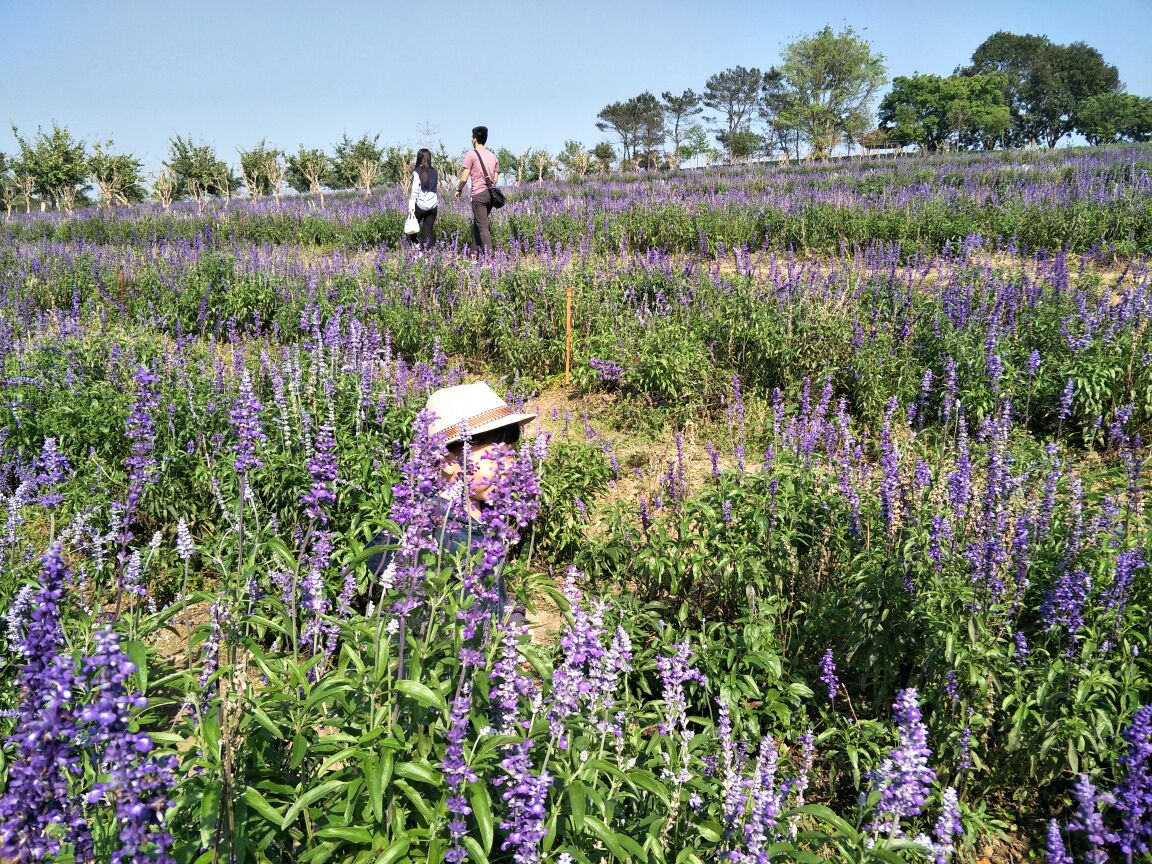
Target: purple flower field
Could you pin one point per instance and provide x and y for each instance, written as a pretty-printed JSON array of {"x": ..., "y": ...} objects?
[{"x": 835, "y": 547}]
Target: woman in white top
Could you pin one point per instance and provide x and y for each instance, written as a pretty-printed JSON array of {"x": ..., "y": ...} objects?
[{"x": 422, "y": 202}]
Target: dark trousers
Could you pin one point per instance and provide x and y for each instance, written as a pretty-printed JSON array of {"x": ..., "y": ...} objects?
[
  {"x": 427, "y": 220},
  {"x": 481, "y": 232}
]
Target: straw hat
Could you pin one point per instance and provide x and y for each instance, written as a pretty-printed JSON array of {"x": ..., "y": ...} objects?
[{"x": 475, "y": 407}]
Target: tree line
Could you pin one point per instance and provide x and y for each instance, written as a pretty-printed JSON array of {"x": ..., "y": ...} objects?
[
  {"x": 55, "y": 169},
  {"x": 1017, "y": 91}
]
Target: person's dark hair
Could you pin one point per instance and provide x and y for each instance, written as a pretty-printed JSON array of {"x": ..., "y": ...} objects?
[
  {"x": 509, "y": 434},
  {"x": 480, "y": 133},
  {"x": 427, "y": 174}
]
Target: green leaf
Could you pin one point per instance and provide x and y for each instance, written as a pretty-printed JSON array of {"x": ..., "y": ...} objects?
[
  {"x": 578, "y": 801},
  {"x": 482, "y": 811},
  {"x": 605, "y": 835},
  {"x": 710, "y": 831},
  {"x": 347, "y": 832},
  {"x": 416, "y": 799},
  {"x": 631, "y": 845},
  {"x": 209, "y": 814},
  {"x": 421, "y": 771},
  {"x": 309, "y": 797},
  {"x": 395, "y": 851},
  {"x": 607, "y": 768},
  {"x": 373, "y": 780},
  {"x": 646, "y": 781},
  {"x": 260, "y": 804},
  {"x": 475, "y": 850},
  {"x": 138, "y": 653},
  {"x": 825, "y": 815},
  {"x": 423, "y": 694},
  {"x": 264, "y": 720}
]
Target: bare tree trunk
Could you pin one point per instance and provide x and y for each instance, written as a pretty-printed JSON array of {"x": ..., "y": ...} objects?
[
  {"x": 275, "y": 171},
  {"x": 315, "y": 187}
]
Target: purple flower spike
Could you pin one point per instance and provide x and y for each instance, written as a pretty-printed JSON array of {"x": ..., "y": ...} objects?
[
  {"x": 904, "y": 778},
  {"x": 245, "y": 418},
  {"x": 828, "y": 674},
  {"x": 525, "y": 796},
  {"x": 1134, "y": 794}
]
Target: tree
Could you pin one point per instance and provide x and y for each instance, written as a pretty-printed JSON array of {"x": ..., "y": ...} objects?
[
  {"x": 8, "y": 188},
  {"x": 358, "y": 163},
  {"x": 678, "y": 110},
  {"x": 56, "y": 164},
  {"x": 933, "y": 113},
  {"x": 574, "y": 159},
  {"x": 398, "y": 165},
  {"x": 164, "y": 187},
  {"x": 829, "y": 80},
  {"x": 620, "y": 119},
  {"x": 741, "y": 145},
  {"x": 542, "y": 165},
  {"x": 310, "y": 171},
  {"x": 117, "y": 175},
  {"x": 649, "y": 115},
  {"x": 523, "y": 165},
  {"x": 1109, "y": 117},
  {"x": 777, "y": 109},
  {"x": 24, "y": 181},
  {"x": 1044, "y": 82},
  {"x": 254, "y": 169},
  {"x": 735, "y": 93},
  {"x": 504, "y": 157},
  {"x": 604, "y": 154},
  {"x": 639, "y": 122},
  {"x": 197, "y": 171},
  {"x": 876, "y": 139},
  {"x": 695, "y": 143},
  {"x": 274, "y": 171}
]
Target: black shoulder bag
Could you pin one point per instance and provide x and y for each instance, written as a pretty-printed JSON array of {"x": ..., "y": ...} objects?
[{"x": 494, "y": 193}]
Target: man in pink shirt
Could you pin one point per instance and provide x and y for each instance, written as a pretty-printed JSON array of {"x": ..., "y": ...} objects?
[{"x": 481, "y": 198}]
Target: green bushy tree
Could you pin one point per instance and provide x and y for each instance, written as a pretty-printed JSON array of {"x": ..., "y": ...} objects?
[
  {"x": 259, "y": 168},
  {"x": 574, "y": 159},
  {"x": 117, "y": 175},
  {"x": 358, "y": 164},
  {"x": 933, "y": 112},
  {"x": 605, "y": 155},
  {"x": 310, "y": 170},
  {"x": 735, "y": 95},
  {"x": 678, "y": 112},
  {"x": 56, "y": 165},
  {"x": 198, "y": 171},
  {"x": 827, "y": 84},
  {"x": 1110, "y": 117},
  {"x": 1045, "y": 82}
]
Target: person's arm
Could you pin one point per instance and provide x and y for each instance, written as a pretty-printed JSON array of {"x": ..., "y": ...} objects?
[
  {"x": 495, "y": 171},
  {"x": 415, "y": 191},
  {"x": 464, "y": 175}
]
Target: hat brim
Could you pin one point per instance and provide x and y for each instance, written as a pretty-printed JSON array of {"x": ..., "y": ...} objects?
[{"x": 509, "y": 420}]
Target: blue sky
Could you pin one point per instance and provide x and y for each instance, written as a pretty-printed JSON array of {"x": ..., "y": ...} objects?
[{"x": 537, "y": 73}]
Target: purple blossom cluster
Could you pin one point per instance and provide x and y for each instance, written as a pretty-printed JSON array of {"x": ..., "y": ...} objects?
[
  {"x": 457, "y": 774},
  {"x": 524, "y": 795},
  {"x": 903, "y": 779},
  {"x": 245, "y": 418},
  {"x": 828, "y": 674},
  {"x": 593, "y": 663},
  {"x": 75, "y": 724}
]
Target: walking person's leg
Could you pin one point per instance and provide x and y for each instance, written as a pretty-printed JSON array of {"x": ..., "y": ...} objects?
[
  {"x": 481, "y": 232},
  {"x": 427, "y": 223}
]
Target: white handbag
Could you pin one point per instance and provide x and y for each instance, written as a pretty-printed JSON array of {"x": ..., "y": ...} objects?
[{"x": 411, "y": 226}]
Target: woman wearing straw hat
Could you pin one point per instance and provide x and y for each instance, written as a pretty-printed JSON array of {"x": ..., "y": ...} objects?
[{"x": 492, "y": 428}]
